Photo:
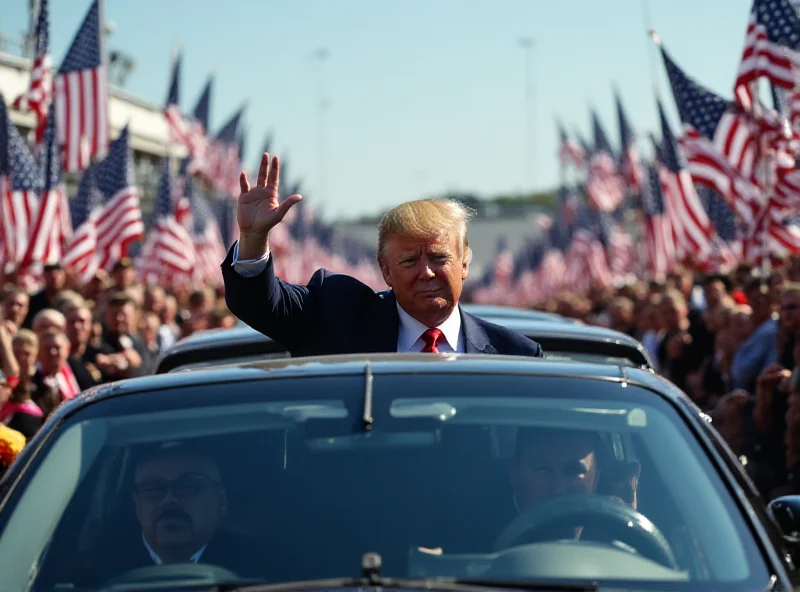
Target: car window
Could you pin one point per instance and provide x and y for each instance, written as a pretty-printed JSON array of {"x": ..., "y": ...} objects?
[{"x": 498, "y": 477}]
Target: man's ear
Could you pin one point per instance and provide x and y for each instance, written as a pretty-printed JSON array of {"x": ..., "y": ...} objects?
[
  {"x": 465, "y": 264},
  {"x": 387, "y": 276}
]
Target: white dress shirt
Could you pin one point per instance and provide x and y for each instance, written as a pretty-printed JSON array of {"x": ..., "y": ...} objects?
[
  {"x": 409, "y": 334},
  {"x": 248, "y": 267},
  {"x": 157, "y": 560}
]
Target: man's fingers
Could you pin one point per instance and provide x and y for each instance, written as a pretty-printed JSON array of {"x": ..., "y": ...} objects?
[
  {"x": 274, "y": 175},
  {"x": 243, "y": 184},
  {"x": 287, "y": 204},
  {"x": 263, "y": 170}
]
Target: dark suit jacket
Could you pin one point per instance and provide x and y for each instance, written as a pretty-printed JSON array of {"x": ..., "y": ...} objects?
[
  {"x": 232, "y": 552},
  {"x": 337, "y": 314}
]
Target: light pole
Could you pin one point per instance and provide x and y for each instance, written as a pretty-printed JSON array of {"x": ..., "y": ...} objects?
[
  {"x": 527, "y": 44},
  {"x": 321, "y": 55}
]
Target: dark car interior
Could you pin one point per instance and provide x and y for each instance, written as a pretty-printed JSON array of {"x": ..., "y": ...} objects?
[{"x": 320, "y": 510}]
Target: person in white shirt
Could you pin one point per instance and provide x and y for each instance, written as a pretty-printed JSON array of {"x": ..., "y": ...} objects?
[{"x": 424, "y": 257}]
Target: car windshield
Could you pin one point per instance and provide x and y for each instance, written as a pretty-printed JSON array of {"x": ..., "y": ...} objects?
[{"x": 493, "y": 477}]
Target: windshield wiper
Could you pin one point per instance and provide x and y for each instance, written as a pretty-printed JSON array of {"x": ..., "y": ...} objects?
[{"x": 371, "y": 578}]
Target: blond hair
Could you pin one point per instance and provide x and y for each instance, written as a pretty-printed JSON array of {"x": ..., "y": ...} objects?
[
  {"x": 50, "y": 315},
  {"x": 67, "y": 299},
  {"x": 425, "y": 218},
  {"x": 25, "y": 337}
]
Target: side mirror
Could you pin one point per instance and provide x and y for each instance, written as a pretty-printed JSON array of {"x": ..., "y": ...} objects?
[{"x": 785, "y": 511}]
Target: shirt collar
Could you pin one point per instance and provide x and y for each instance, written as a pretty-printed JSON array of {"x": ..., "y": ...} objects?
[
  {"x": 157, "y": 560},
  {"x": 411, "y": 329}
]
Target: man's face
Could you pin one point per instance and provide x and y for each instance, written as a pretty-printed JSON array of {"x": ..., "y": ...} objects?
[
  {"x": 120, "y": 318},
  {"x": 562, "y": 464},
  {"x": 53, "y": 353},
  {"x": 79, "y": 326},
  {"x": 124, "y": 277},
  {"x": 671, "y": 314},
  {"x": 54, "y": 279},
  {"x": 761, "y": 303},
  {"x": 26, "y": 356},
  {"x": 16, "y": 308},
  {"x": 790, "y": 312},
  {"x": 154, "y": 301},
  {"x": 179, "y": 500},
  {"x": 425, "y": 275},
  {"x": 714, "y": 293}
]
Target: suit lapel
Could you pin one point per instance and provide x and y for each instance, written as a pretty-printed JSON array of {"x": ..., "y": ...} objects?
[
  {"x": 382, "y": 324},
  {"x": 475, "y": 339}
]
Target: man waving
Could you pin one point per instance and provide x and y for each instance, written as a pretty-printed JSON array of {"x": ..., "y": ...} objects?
[{"x": 424, "y": 258}]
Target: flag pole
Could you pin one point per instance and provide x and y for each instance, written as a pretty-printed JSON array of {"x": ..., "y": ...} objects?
[{"x": 652, "y": 34}]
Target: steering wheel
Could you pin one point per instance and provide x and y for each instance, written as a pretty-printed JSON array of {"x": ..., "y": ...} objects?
[
  {"x": 613, "y": 518},
  {"x": 201, "y": 574}
]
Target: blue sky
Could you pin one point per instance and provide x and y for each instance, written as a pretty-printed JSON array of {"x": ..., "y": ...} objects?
[{"x": 426, "y": 96}]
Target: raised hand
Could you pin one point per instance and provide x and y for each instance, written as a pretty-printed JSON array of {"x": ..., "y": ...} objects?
[{"x": 258, "y": 210}]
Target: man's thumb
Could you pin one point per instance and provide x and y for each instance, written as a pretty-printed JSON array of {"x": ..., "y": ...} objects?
[{"x": 287, "y": 204}]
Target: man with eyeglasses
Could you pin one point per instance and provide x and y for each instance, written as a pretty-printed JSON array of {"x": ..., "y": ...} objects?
[{"x": 180, "y": 502}]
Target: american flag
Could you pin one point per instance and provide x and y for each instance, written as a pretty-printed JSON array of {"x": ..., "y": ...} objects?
[
  {"x": 724, "y": 243},
  {"x": 690, "y": 223},
  {"x": 719, "y": 144},
  {"x": 81, "y": 97},
  {"x": 179, "y": 128},
  {"x": 225, "y": 161},
  {"x": 629, "y": 164},
  {"x": 604, "y": 186},
  {"x": 180, "y": 199},
  {"x": 199, "y": 142},
  {"x": 120, "y": 221},
  {"x": 20, "y": 187},
  {"x": 770, "y": 48},
  {"x": 208, "y": 246},
  {"x": 52, "y": 227},
  {"x": 659, "y": 239},
  {"x": 172, "y": 247},
  {"x": 569, "y": 151},
  {"x": 39, "y": 94},
  {"x": 85, "y": 208}
]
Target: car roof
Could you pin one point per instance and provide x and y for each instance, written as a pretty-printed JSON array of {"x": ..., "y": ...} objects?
[
  {"x": 492, "y": 311},
  {"x": 584, "y": 332},
  {"x": 378, "y": 364},
  {"x": 250, "y": 344}
]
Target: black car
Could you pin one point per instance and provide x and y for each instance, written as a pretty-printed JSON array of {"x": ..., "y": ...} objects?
[
  {"x": 587, "y": 343},
  {"x": 493, "y": 311},
  {"x": 411, "y": 471},
  {"x": 560, "y": 340}
]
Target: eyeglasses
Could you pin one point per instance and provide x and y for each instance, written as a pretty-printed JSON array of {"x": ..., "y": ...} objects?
[{"x": 184, "y": 488}]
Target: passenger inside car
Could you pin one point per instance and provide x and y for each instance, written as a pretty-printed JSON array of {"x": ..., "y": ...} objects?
[{"x": 179, "y": 500}]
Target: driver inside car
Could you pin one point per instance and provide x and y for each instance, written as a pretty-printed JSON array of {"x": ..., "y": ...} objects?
[
  {"x": 180, "y": 502},
  {"x": 552, "y": 462}
]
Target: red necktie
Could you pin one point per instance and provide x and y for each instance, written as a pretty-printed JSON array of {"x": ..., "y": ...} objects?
[{"x": 431, "y": 338}]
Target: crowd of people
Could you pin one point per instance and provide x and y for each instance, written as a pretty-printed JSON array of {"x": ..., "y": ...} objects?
[
  {"x": 731, "y": 342},
  {"x": 67, "y": 338}
]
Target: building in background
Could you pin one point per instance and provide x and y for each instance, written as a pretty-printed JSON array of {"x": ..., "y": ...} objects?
[{"x": 148, "y": 127}]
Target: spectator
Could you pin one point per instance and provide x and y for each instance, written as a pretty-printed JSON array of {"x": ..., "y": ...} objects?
[
  {"x": 47, "y": 319},
  {"x": 55, "y": 379},
  {"x": 81, "y": 351},
  {"x": 54, "y": 280},
  {"x": 123, "y": 274},
  {"x": 123, "y": 354},
  {"x": 15, "y": 306}
]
